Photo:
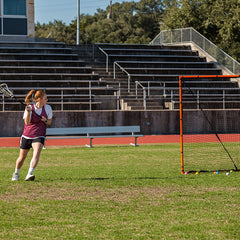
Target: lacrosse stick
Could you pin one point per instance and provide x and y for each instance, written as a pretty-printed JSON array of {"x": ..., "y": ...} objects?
[{"x": 8, "y": 93}]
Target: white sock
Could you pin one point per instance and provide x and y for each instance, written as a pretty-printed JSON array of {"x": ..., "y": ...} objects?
[
  {"x": 17, "y": 171},
  {"x": 30, "y": 171}
]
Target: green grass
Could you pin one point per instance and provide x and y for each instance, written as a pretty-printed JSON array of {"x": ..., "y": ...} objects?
[
  {"x": 116, "y": 193},
  {"x": 209, "y": 156}
]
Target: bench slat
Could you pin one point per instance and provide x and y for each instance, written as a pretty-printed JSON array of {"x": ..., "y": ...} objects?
[
  {"x": 92, "y": 130},
  {"x": 103, "y": 132},
  {"x": 102, "y": 136}
]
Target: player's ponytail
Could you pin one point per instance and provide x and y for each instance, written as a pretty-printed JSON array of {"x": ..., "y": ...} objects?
[
  {"x": 34, "y": 95},
  {"x": 29, "y": 96}
]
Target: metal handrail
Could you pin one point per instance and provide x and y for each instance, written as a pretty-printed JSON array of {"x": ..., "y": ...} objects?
[
  {"x": 190, "y": 35},
  {"x": 107, "y": 58},
  {"x": 60, "y": 96},
  {"x": 171, "y": 95},
  {"x": 196, "y": 92},
  {"x": 123, "y": 70},
  {"x": 144, "y": 94}
]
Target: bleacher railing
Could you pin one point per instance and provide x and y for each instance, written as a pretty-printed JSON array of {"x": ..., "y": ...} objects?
[
  {"x": 190, "y": 35},
  {"x": 103, "y": 52},
  {"x": 137, "y": 83},
  {"x": 198, "y": 95},
  {"x": 61, "y": 96}
]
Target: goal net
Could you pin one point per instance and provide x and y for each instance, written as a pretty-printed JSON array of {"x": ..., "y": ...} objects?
[{"x": 209, "y": 123}]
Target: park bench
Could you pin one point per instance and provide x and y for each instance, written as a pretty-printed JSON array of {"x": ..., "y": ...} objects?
[{"x": 94, "y": 132}]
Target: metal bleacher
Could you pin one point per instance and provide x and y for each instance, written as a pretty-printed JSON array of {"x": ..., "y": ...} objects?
[
  {"x": 149, "y": 77},
  {"x": 113, "y": 76},
  {"x": 68, "y": 81}
]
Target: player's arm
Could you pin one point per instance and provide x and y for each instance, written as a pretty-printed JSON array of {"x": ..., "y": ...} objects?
[
  {"x": 27, "y": 118},
  {"x": 48, "y": 120}
]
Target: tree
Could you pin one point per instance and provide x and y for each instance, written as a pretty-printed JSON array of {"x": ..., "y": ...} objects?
[
  {"x": 139, "y": 22},
  {"x": 130, "y": 22},
  {"x": 217, "y": 20},
  {"x": 56, "y": 29}
]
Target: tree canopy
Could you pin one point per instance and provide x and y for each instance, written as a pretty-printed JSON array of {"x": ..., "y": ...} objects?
[
  {"x": 217, "y": 20},
  {"x": 139, "y": 22}
]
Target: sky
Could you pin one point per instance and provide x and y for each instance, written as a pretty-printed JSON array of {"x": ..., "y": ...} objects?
[{"x": 66, "y": 10}]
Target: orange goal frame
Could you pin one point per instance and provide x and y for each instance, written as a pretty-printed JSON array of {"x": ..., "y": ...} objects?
[{"x": 181, "y": 107}]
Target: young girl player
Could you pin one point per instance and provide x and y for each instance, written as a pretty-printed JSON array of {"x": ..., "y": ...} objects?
[{"x": 34, "y": 132}]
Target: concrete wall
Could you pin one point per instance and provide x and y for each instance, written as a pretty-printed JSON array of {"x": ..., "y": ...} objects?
[
  {"x": 151, "y": 122},
  {"x": 31, "y": 25}
]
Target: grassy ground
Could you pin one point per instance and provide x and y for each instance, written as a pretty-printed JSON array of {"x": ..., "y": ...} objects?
[{"x": 116, "y": 193}]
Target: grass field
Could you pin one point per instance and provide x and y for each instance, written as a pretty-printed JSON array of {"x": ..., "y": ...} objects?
[
  {"x": 116, "y": 192},
  {"x": 211, "y": 156}
]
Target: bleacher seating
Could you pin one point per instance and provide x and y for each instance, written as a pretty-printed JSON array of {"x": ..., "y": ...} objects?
[
  {"x": 69, "y": 82},
  {"x": 155, "y": 70},
  {"x": 129, "y": 76}
]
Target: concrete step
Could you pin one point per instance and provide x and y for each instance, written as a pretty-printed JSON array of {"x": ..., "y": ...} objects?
[
  {"x": 50, "y": 76},
  {"x": 41, "y": 50},
  {"x": 31, "y": 62},
  {"x": 141, "y": 46},
  {"x": 44, "y": 69},
  {"x": 37, "y": 56},
  {"x": 32, "y": 44},
  {"x": 180, "y": 71},
  {"x": 53, "y": 83},
  {"x": 176, "y": 58},
  {"x": 159, "y": 64}
]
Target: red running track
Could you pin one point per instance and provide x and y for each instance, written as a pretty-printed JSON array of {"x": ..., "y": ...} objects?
[{"x": 148, "y": 139}]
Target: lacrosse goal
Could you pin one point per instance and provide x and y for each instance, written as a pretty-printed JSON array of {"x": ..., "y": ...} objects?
[{"x": 209, "y": 123}]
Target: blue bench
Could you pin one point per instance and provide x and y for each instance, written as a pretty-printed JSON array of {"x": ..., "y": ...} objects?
[{"x": 94, "y": 132}]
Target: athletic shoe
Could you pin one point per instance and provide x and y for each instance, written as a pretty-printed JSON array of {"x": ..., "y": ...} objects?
[
  {"x": 30, "y": 177},
  {"x": 15, "y": 177}
]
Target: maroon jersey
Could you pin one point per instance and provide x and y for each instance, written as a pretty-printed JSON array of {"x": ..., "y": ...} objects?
[{"x": 36, "y": 127}]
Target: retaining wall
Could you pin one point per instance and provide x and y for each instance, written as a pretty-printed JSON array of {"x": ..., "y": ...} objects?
[{"x": 151, "y": 122}]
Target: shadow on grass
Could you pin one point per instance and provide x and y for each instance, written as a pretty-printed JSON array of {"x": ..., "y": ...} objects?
[{"x": 115, "y": 178}]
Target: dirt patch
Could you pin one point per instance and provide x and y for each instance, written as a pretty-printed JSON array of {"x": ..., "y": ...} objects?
[
  {"x": 124, "y": 194},
  {"x": 70, "y": 192}
]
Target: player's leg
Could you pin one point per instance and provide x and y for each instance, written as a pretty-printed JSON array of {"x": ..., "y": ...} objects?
[
  {"x": 20, "y": 160},
  {"x": 37, "y": 148}
]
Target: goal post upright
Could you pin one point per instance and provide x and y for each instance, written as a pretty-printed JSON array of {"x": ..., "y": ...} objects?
[
  {"x": 181, "y": 122},
  {"x": 181, "y": 80}
]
